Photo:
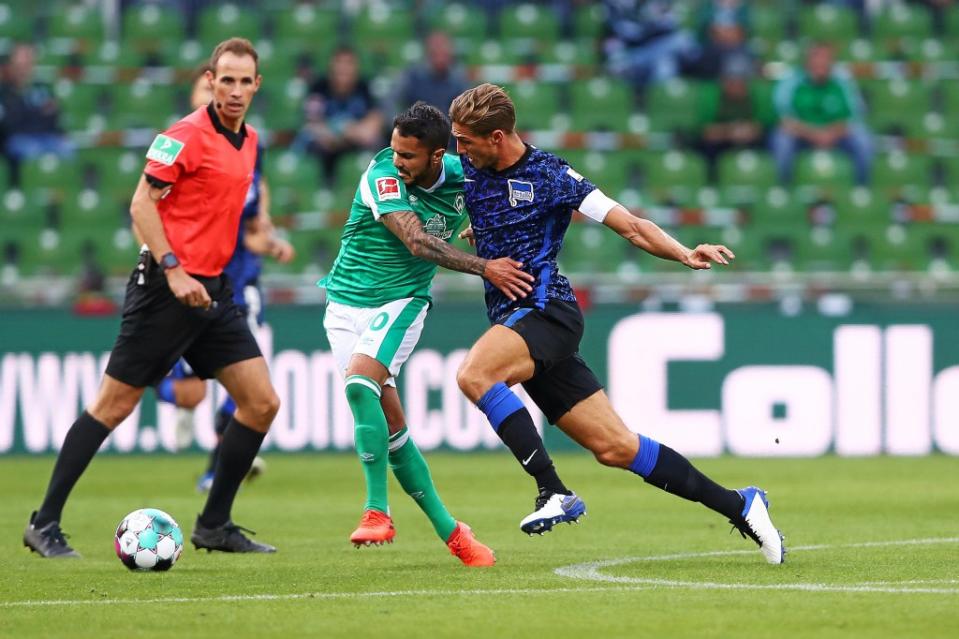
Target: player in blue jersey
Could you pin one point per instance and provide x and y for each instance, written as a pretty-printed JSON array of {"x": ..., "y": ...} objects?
[
  {"x": 255, "y": 238},
  {"x": 520, "y": 200}
]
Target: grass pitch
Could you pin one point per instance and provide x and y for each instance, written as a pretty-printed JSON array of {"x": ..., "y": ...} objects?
[{"x": 875, "y": 553}]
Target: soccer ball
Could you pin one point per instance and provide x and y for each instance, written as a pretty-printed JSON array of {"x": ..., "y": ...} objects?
[{"x": 148, "y": 539}]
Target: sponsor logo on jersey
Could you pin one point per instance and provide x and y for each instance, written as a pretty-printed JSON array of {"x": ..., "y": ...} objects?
[
  {"x": 573, "y": 174},
  {"x": 436, "y": 226},
  {"x": 165, "y": 150},
  {"x": 520, "y": 192},
  {"x": 414, "y": 199},
  {"x": 459, "y": 202},
  {"x": 388, "y": 188}
]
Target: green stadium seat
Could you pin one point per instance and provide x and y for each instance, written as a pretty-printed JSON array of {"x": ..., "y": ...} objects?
[
  {"x": 570, "y": 52},
  {"x": 49, "y": 173},
  {"x": 382, "y": 27},
  {"x": 82, "y": 105},
  {"x": 592, "y": 248},
  {"x": 500, "y": 52},
  {"x": 291, "y": 169},
  {"x": 858, "y": 50},
  {"x": 537, "y": 105},
  {"x": 602, "y": 104},
  {"x": 861, "y": 207},
  {"x": 612, "y": 171},
  {"x": 823, "y": 172},
  {"x": 19, "y": 212},
  {"x": 463, "y": 22},
  {"x": 143, "y": 104},
  {"x": 116, "y": 170},
  {"x": 675, "y": 177},
  {"x": 16, "y": 21},
  {"x": 836, "y": 24},
  {"x": 896, "y": 106},
  {"x": 672, "y": 106},
  {"x": 77, "y": 21},
  {"x": 282, "y": 102},
  {"x": 824, "y": 249},
  {"x": 588, "y": 20},
  {"x": 902, "y": 20},
  {"x": 897, "y": 173},
  {"x": 768, "y": 25},
  {"x": 527, "y": 20},
  {"x": 306, "y": 24},
  {"x": 952, "y": 21},
  {"x": 220, "y": 22},
  {"x": 148, "y": 26},
  {"x": 778, "y": 207},
  {"x": 937, "y": 127},
  {"x": 744, "y": 176}
]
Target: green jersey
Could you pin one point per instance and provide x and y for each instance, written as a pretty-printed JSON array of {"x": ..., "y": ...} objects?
[
  {"x": 373, "y": 266},
  {"x": 833, "y": 100}
]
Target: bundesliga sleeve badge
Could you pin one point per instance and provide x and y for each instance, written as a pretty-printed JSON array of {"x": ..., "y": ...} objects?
[{"x": 387, "y": 188}]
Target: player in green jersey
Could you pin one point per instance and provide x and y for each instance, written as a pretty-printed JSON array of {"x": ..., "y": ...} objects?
[{"x": 408, "y": 206}]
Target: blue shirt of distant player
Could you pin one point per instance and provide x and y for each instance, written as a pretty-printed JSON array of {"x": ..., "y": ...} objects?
[
  {"x": 522, "y": 212},
  {"x": 244, "y": 267}
]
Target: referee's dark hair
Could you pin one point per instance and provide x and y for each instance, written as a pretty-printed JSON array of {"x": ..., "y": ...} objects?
[
  {"x": 425, "y": 123},
  {"x": 236, "y": 46}
]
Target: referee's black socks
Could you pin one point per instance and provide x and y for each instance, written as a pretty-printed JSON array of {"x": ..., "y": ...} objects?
[
  {"x": 79, "y": 446},
  {"x": 513, "y": 424},
  {"x": 239, "y": 446},
  {"x": 666, "y": 469}
]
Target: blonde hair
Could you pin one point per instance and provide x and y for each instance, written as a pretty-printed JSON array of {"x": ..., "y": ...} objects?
[
  {"x": 484, "y": 109},
  {"x": 236, "y": 46}
]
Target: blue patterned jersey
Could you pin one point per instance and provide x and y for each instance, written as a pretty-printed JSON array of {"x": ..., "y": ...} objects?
[
  {"x": 244, "y": 267},
  {"x": 522, "y": 212}
]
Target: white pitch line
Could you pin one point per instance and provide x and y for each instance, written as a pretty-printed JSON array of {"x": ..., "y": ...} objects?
[
  {"x": 591, "y": 571},
  {"x": 319, "y": 595}
]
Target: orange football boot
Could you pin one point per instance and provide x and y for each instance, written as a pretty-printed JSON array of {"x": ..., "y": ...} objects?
[
  {"x": 468, "y": 548},
  {"x": 375, "y": 528}
]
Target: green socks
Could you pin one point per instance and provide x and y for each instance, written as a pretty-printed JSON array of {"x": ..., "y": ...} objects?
[
  {"x": 414, "y": 476},
  {"x": 372, "y": 434}
]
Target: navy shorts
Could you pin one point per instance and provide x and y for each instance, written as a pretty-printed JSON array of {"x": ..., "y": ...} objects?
[{"x": 552, "y": 334}]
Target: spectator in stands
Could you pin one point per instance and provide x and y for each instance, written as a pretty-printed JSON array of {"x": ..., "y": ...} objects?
[
  {"x": 437, "y": 81},
  {"x": 723, "y": 32},
  {"x": 341, "y": 114},
  {"x": 731, "y": 117},
  {"x": 820, "y": 107},
  {"x": 29, "y": 114},
  {"x": 645, "y": 42}
]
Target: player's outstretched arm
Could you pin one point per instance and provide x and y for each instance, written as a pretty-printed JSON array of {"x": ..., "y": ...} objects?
[
  {"x": 149, "y": 227},
  {"x": 654, "y": 240},
  {"x": 503, "y": 273}
]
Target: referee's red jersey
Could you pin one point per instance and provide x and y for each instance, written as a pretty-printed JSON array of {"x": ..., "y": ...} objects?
[{"x": 211, "y": 168}]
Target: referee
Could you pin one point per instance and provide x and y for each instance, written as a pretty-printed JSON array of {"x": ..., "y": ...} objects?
[{"x": 179, "y": 303}]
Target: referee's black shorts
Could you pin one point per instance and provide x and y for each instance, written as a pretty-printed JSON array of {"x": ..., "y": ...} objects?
[
  {"x": 561, "y": 378},
  {"x": 157, "y": 330}
]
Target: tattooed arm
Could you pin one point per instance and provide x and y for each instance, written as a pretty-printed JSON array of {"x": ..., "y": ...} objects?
[{"x": 503, "y": 273}]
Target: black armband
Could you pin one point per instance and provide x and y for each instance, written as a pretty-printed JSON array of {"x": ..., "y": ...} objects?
[{"x": 155, "y": 182}]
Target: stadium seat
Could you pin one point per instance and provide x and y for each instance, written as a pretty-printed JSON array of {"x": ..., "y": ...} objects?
[
  {"x": 117, "y": 170},
  {"x": 768, "y": 25},
  {"x": 897, "y": 106},
  {"x": 577, "y": 53},
  {"x": 902, "y": 20},
  {"x": 293, "y": 170},
  {"x": 778, "y": 207},
  {"x": 82, "y": 105},
  {"x": 502, "y": 52},
  {"x": 219, "y": 22},
  {"x": 465, "y": 23},
  {"x": 588, "y": 20},
  {"x": 602, "y": 104},
  {"x": 305, "y": 24},
  {"x": 16, "y": 22},
  {"x": 78, "y": 22},
  {"x": 49, "y": 173},
  {"x": 744, "y": 176},
  {"x": 897, "y": 173},
  {"x": 537, "y": 105},
  {"x": 861, "y": 207},
  {"x": 591, "y": 248},
  {"x": 672, "y": 106},
  {"x": 823, "y": 171},
  {"x": 675, "y": 177},
  {"x": 611, "y": 171},
  {"x": 824, "y": 249},
  {"x": 144, "y": 104},
  {"x": 829, "y": 22},
  {"x": 148, "y": 26},
  {"x": 282, "y": 102},
  {"x": 381, "y": 27},
  {"x": 527, "y": 20}
]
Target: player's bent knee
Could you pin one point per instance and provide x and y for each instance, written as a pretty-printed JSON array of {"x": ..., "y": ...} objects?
[
  {"x": 614, "y": 455},
  {"x": 471, "y": 383}
]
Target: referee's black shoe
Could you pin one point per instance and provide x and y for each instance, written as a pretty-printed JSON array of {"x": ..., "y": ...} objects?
[
  {"x": 48, "y": 541},
  {"x": 229, "y": 538}
]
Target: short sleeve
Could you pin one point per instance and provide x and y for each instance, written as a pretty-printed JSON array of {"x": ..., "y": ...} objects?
[
  {"x": 383, "y": 191},
  {"x": 571, "y": 187},
  {"x": 176, "y": 151}
]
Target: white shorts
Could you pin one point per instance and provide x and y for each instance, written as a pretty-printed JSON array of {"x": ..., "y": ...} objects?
[{"x": 387, "y": 333}]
